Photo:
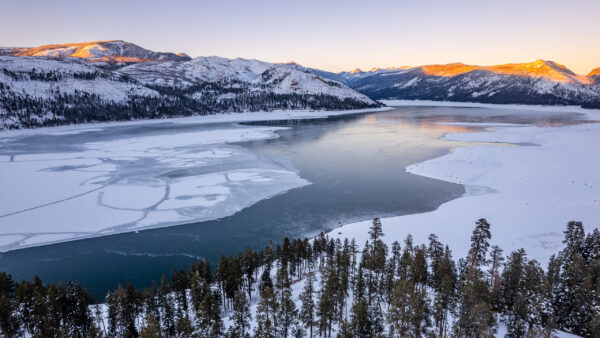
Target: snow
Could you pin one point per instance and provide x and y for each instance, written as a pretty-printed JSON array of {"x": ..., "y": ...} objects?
[
  {"x": 134, "y": 183},
  {"x": 107, "y": 88},
  {"x": 257, "y": 75},
  {"x": 275, "y": 115},
  {"x": 138, "y": 182},
  {"x": 526, "y": 107},
  {"x": 527, "y": 192}
]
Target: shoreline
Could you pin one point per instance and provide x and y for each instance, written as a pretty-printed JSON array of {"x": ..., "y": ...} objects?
[
  {"x": 61, "y": 236},
  {"x": 502, "y": 184},
  {"x": 276, "y": 115}
]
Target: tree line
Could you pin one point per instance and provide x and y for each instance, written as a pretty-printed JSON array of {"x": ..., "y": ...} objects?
[
  {"x": 19, "y": 109},
  {"x": 405, "y": 290}
]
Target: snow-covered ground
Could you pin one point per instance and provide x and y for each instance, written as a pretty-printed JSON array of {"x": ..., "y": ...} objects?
[
  {"x": 528, "y": 181},
  {"x": 138, "y": 182}
]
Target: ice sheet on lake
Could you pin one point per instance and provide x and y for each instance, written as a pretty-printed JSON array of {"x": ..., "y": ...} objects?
[
  {"x": 132, "y": 183},
  {"x": 527, "y": 192}
]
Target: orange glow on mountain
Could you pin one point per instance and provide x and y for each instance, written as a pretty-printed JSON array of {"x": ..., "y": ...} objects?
[
  {"x": 448, "y": 70},
  {"x": 78, "y": 49},
  {"x": 121, "y": 59},
  {"x": 595, "y": 72},
  {"x": 110, "y": 51},
  {"x": 539, "y": 68}
]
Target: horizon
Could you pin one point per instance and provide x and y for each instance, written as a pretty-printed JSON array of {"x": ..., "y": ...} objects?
[
  {"x": 336, "y": 36},
  {"x": 374, "y": 68}
]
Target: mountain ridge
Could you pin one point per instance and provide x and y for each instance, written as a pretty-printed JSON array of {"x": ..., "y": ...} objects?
[
  {"x": 537, "y": 82},
  {"x": 103, "y": 51},
  {"x": 48, "y": 91}
]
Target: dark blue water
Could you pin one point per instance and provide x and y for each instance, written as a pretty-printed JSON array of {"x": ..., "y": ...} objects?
[{"x": 355, "y": 164}]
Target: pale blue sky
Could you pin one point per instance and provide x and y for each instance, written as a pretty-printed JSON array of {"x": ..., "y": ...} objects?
[{"x": 333, "y": 35}]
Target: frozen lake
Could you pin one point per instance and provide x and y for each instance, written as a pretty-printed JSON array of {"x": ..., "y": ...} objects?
[{"x": 232, "y": 185}]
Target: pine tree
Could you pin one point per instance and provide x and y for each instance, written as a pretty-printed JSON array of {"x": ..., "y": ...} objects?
[
  {"x": 444, "y": 298},
  {"x": 248, "y": 266},
  {"x": 9, "y": 325},
  {"x": 151, "y": 328},
  {"x": 574, "y": 292},
  {"x": 361, "y": 324},
  {"x": 399, "y": 312},
  {"x": 496, "y": 261},
  {"x": 185, "y": 329},
  {"x": 307, "y": 310},
  {"x": 241, "y": 316},
  {"x": 168, "y": 312},
  {"x": 209, "y": 321},
  {"x": 265, "y": 314},
  {"x": 479, "y": 244},
  {"x": 265, "y": 280}
]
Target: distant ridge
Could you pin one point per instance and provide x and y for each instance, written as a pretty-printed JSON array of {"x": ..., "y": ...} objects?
[
  {"x": 109, "y": 52},
  {"x": 116, "y": 80},
  {"x": 537, "y": 82},
  {"x": 595, "y": 75}
]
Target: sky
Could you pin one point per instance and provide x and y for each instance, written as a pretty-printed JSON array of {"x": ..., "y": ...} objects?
[{"x": 327, "y": 34}]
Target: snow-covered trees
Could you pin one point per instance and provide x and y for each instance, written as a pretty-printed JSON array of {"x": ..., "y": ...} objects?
[{"x": 325, "y": 288}]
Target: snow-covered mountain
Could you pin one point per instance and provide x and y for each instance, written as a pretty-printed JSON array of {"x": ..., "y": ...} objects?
[
  {"x": 42, "y": 91},
  {"x": 253, "y": 76},
  {"x": 102, "y": 52},
  {"x": 538, "y": 82},
  {"x": 594, "y": 75}
]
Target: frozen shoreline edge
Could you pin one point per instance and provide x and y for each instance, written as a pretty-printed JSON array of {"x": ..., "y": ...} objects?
[{"x": 404, "y": 224}]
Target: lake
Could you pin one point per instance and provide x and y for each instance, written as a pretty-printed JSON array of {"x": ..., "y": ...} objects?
[{"x": 354, "y": 163}]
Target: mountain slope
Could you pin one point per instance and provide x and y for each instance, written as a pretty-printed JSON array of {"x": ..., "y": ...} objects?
[
  {"x": 102, "y": 52},
  {"x": 538, "y": 82},
  {"x": 594, "y": 75},
  {"x": 252, "y": 75},
  {"x": 41, "y": 91}
]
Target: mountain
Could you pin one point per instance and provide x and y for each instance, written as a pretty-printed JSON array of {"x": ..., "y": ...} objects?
[
  {"x": 538, "y": 82},
  {"x": 115, "y": 52},
  {"x": 594, "y": 75},
  {"x": 45, "y": 91},
  {"x": 252, "y": 76}
]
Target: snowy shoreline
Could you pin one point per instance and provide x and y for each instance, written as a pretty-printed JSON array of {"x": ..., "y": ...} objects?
[
  {"x": 528, "y": 192},
  {"x": 124, "y": 185},
  {"x": 275, "y": 115}
]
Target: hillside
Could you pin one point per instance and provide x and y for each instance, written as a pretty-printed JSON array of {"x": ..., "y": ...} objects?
[
  {"x": 538, "y": 82},
  {"x": 594, "y": 75},
  {"x": 253, "y": 75},
  {"x": 47, "y": 91}
]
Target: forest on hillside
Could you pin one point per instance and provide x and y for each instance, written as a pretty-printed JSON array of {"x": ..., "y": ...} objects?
[
  {"x": 325, "y": 287},
  {"x": 20, "y": 109}
]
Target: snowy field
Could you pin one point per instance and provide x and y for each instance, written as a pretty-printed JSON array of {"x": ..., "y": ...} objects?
[
  {"x": 139, "y": 181},
  {"x": 527, "y": 181}
]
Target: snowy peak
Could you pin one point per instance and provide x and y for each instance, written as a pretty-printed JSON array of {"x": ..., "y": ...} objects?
[
  {"x": 537, "y": 82},
  {"x": 539, "y": 69},
  {"x": 549, "y": 70},
  {"x": 595, "y": 72},
  {"x": 253, "y": 75},
  {"x": 114, "y": 51},
  {"x": 594, "y": 75}
]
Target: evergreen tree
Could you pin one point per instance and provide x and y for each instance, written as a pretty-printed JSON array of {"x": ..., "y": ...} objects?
[
  {"x": 9, "y": 324},
  {"x": 479, "y": 244},
  {"x": 241, "y": 316},
  {"x": 307, "y": 310},
  {"x": 265, "y": 314},
  {"x": 185, "y": 329},
  {"x": 209, "y": 323},
  {"x": 151, "y": 328},
  {"x": 166, "y": 304}
]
